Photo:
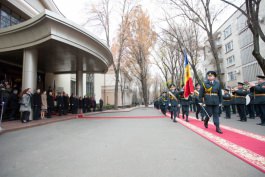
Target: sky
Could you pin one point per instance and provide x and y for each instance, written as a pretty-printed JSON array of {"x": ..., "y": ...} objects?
[{"x": 76, "y": 12}]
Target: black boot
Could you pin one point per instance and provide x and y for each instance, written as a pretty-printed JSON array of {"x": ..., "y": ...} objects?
[
  {"x": 187, "y": 120},
  {"x": 206, "y": 122},
  {"x": 218, "y": 130}
]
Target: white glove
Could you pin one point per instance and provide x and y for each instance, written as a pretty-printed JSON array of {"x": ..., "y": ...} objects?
[
  {"x": 201, "y": 104},
  {"x": 220, "y": 105}
]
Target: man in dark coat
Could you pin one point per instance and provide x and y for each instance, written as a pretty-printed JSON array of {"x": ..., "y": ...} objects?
[
  {"x": 101, "y": 104},
  {"x": 60, "y": 104},
  {"x": 50, "y": 104},
  {"x": 65, "y": 103},
  {"x": 211, "y": 94},
  {"x": 13, "y": 105},
  {"x": 240, "y": 100},
  {"x": 36, "y": 104},
  {"x": 227, "y": 104},
  {"x": 259, "y": 97}
]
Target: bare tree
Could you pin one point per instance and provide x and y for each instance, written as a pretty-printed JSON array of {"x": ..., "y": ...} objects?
[
  {"x": 168, "y": 58},
  {"x": 202, "y": 13},
  {"x": 251, "y": 11},
  {"x": 101, "y": 13},
  {"x": 142, "y": 39}
]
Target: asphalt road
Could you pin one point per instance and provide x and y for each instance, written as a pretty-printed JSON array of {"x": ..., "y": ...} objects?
[{"x": 116, "y": 148}]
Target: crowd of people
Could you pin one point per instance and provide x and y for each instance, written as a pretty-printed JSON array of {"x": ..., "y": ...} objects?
[
  {"x": 17, "y": 104},
  {"x": 208, "y": 99}
]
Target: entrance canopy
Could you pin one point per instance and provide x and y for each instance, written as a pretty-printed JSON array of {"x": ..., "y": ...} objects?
[{"x": 62, "y": 47}]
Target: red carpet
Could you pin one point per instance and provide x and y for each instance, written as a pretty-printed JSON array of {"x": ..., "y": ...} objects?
[
  {"x": 81, "y": 116},
  {"x": 245, "y": 145}
]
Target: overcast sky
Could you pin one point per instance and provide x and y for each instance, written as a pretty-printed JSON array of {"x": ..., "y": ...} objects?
[{"x": 76, "y": 12}]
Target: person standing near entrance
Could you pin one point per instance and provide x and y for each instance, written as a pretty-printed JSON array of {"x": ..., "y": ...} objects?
[
  {"x": 50, "y": 104},
  {"x": 36, "y": 103},
  {"x": 227, "y": 104},
  {"x": 101, "y": 104},
  {"x": 43, "y": 104},
  {"x": 259, "y": 97},
  {"x": 211, "y": 95},
  {"x": 25, "y": 104}
]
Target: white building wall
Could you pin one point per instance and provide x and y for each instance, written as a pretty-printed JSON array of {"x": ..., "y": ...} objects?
[{"x": 98, "y": 82}]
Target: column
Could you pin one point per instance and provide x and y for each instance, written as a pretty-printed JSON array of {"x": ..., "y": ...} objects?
[
  {"x": 79, "y": 77},
  {"x": 29, "y": 73}
]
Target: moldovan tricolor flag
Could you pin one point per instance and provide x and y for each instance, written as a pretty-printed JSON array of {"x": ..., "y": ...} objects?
[{"x": 188, "y": 87}]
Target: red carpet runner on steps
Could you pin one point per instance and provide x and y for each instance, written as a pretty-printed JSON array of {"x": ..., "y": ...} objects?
[{"x": 244, "y": 145}]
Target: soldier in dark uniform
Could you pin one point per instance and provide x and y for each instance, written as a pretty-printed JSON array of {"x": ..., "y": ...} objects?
[
  {"x": 211, "y": 94},
  {"x": 259, "y": 97},
  {"x": 60, "y": 104},
  {"x": 196, "y": 96},
  {"x": 174, "y": 101},
  {"x": 227, "y": 104},
  {"x": 250, "y": 106},
  {"x": 240, "y": 101},
  {"x": 36, "y": 103},
  {"x": 164, "y": 100},
  {"x": 185, "y": 104}
]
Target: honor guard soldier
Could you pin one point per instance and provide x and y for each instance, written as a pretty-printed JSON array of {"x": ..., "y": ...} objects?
[
  {"x": 164, "y": 100},
  {"x": 227, "y": 103},
  {"x": 185, "y": 104},
  {"x": 173, "y": 101},
  {"x": 259, "y": 97},
  {"x": 240, "y": 100},
  {"x": 196, "y": 96},
  {"x": 211, "y": 94}
]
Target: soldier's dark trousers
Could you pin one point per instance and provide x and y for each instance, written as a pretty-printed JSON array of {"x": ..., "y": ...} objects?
[
  {"x": 164, "y": 110},
  {"x": 174, "y": 110},
  {"x": 261, "y": 109},
  {"x": 185, "y": 110},
  {"x": 251, "y": 111},
  {"x": 213, "y": 110},
  {"x": 233, "y": 108},
  {"x": 241, "y": 108},
  {"x": 227, "y": 112},
  {"x": 198, "y": 110}
]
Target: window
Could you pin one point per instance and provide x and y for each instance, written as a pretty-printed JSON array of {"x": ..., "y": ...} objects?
[
  {"x": 241, "y": 23},
  {"x": 227, "y": 31},
  {"x": 231, "y": 76},
  {"x": 230, "y": 61},
  {"x": 229, "y": 47},
  {"x": 8, "y": 17}
]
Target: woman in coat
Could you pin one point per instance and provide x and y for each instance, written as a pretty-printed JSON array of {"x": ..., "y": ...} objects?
[
  {"x": 43, "y": 104},
  {"x": 25, "y": 105}
]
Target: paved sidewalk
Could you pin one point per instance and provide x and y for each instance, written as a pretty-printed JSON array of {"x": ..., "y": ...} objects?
[
  {"x": 17, "y": 125},
  {"x": 116, "y": 148}
]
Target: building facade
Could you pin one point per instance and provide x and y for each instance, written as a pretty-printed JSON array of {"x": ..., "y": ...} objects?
[
  {"x": 234, "y": 41},
  {"x": 40, "y": 48}
]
